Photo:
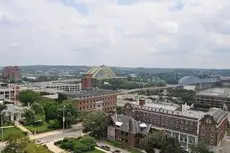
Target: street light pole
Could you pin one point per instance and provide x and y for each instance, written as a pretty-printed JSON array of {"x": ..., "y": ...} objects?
[
  {"x": 2, "y": 125},
  {"x": 63, "y": 118}
]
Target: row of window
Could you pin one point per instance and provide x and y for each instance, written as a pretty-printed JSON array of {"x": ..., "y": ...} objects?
[{"x": 96, "y": 99}]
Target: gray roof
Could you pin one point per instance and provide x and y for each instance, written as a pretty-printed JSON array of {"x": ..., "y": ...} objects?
[
  {"x": 13, "y": 109},
  {"x": 135, "y": 125},
  {"x": 88, "y": 93},
  {"x": 218, "y": 114}
]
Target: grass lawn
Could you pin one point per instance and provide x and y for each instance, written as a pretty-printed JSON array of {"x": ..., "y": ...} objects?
[
  {"x": 8, "y": 131},
  {"x": 228, "y": 131},
  {"x": 39, "y": 128},
  {"x": 118, "y": 145}
]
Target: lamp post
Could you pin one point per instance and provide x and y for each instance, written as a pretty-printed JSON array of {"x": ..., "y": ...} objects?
[
  {"x": 63, "y": 118},
  {"x": 2, "y": 125}
]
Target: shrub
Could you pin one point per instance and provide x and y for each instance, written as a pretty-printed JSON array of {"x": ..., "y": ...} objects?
[
  {"x": 54, "y": 124},
  {"x": 79, "y": 148}
]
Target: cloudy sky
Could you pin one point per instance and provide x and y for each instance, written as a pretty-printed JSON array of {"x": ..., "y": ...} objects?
[{"x": 146, "y": 33}]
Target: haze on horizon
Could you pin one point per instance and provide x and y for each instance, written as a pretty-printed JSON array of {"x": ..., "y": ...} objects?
[{"x": 135, "y": 33}]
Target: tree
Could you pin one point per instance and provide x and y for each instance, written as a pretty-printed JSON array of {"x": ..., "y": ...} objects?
[
  {"x": 2, "y": 107},
  {"x": 160, "y": 141},
  {"x": 200, "y": 148},
  {"x": 16, "y": 144},
  {"x": 28, "y": 97},
  {"x": 29, "y": 114},
  {"x": 95, "y": 123},
  {"x": 38, "y": 108},
  {"x": 120, "y": 110}
]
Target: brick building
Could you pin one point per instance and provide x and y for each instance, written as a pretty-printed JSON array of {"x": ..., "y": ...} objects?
[
  {"x": 94, "y": 99},
  {"x": 215, "y": 97},
  {"x": 12, "y": 74},
  {"x": 189, "y": 126},
  {"x": 126, "y": 130}
]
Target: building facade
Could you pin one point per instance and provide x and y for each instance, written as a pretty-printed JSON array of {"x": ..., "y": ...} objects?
[
  {"x": 58, "y": 86},
  {"x": 9, "y": 92},
  {"x": 188, "y": 126},
  {"x": 11, "y": 74},
  {"x": 215, "y": 97},
  {"x": 95, "y": 99}
]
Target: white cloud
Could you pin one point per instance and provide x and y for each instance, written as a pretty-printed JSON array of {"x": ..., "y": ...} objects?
[{"x": 152, "y": 33}]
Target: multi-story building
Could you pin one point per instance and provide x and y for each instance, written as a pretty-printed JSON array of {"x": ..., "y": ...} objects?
[
  {"x": 9, "y": 92},
  {"x": 95, "y": 99},
  {"x": 188, "y": 125},
  {"x": 215, "y": 97},
  {"x": 58, "y": 86},
  {"x": 12, "y": 74}
]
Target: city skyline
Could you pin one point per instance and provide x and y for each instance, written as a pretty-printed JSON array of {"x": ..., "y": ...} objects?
[{"x": 126, "y": 33}]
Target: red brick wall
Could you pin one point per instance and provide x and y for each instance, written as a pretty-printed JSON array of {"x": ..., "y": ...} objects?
[{"x": 87, "y": 81}]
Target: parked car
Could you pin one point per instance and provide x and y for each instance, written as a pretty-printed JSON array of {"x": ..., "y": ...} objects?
[
  {"x": 105, "y": 148},
  {"x": 117, "y": 151}
]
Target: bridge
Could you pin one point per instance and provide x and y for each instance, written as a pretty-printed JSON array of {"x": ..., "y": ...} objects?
[{"x": 148, "y": 88}]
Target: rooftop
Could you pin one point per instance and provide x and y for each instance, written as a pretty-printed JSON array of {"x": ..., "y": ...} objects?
[
  {"x": 219, "y": 92},
  {"x": 88, "y": 93}
]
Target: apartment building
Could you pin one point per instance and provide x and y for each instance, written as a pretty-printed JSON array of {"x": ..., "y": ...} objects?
[
  {"x": 9, "y": 92},
  {"x": 11, "y": 73},
  {"x": 187, "y": 125},
  {"x": 215, "y": 97},
  {"x": 94, "y": 99}
]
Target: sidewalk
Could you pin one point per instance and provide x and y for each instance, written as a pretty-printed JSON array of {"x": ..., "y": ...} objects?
[
  {"x": 54, "y": 148},
  {"x": 22, "y": 128}
]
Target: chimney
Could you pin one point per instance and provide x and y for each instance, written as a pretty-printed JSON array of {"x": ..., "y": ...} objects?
[
  {"x": 141, "y": 102},
  {"x": 87, "y": 81},
  {"x": 130, "y": 125}
]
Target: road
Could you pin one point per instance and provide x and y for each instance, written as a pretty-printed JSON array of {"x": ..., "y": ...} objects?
[{"x": 56, "y": 137}]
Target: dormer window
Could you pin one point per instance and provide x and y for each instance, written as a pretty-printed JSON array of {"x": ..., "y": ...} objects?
[{"x": 208, "y": 121}]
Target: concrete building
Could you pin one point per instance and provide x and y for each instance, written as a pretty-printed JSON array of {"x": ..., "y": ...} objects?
[
  {"x": 187, "y": 125},
  {"x": 58, "y": 86},
  {"x": 215, "y": 97},
  {"x": 9, "y": 92},
  {"x": 12, "y": 74},
  {"x": 95, "y": 99}
]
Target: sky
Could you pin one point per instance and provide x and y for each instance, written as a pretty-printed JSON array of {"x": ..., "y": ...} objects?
[{"x": 131, "y": 33}]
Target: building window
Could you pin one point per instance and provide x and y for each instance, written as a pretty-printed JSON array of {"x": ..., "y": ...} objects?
[
  {"x": 122, "y": 132},
  {"x": 212, "y": 135},
  {"x": 211, "y": 142},
  {"x": 126, "y": 140},
  {"x": 202, "y": 132},
  {"x": 213, "y": 129}
]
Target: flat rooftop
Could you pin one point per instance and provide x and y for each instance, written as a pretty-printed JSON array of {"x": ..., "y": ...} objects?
[
  {"x": 165, "y": 106},
  {"x": 88, "y": 93},
  {"x": 217, "y": 92},
  {"x": 43, "y": 84}
]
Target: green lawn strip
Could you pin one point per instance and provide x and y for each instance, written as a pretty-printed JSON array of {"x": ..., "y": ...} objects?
[
  {"x": 39, "y": 128},
  {"x": 8, "y": 131},
  {"x": 118, "y": 145}
]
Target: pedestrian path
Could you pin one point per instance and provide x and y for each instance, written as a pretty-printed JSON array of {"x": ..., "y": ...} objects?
[
  {"x": 5, "y": 127},
  {"x": 54, "y": 148},
  {"x": 18, "y": 125}
]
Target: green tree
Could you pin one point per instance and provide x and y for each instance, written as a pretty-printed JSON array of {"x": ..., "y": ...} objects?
[
  {"x": 95, "y": 123},
  {"x": 29, "y": 114},
  {"x": 120, "y": 110},
  {"x": 28, "y": 97},
  {"x": 200, "y": 148},
  {"x": 38, "y": 108},
  {"x": 16, "y": 144},
  {"x": 2, "y": 107}
]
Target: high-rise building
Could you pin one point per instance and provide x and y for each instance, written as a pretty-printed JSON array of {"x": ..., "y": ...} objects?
[{"x": 11, "y": 74}]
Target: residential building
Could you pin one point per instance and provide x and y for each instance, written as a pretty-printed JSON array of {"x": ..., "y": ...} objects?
[
  {"x": 13, "y": 113},
  {"x": 11, "y": 74},
  {"x": 215, "y": 97},
  {"x": 94, "y": 99},
  {"x": 126, "y": 130},
  {"x": 9, "y": 92},
  {"x": 188, "y": 125}
]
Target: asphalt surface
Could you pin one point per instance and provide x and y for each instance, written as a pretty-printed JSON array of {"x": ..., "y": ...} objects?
[{"x": 56, "y": 137}]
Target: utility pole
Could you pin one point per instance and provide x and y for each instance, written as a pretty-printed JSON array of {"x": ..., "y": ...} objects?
[{"x": 63, "y": 118}]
